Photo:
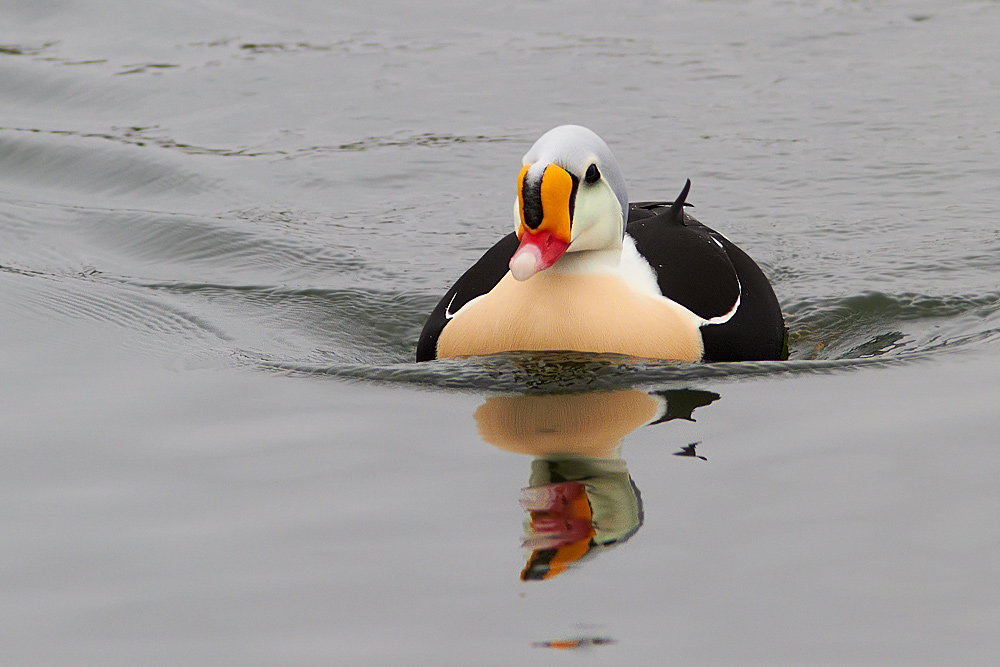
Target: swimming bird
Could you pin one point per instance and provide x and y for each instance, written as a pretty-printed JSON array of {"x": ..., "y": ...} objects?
[{"x": 587, "y": 271}]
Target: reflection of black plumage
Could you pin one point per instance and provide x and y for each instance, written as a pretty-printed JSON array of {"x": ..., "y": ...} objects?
[
  {"x": 682, "y": 402},
  {"x": 690, "y": 451}
]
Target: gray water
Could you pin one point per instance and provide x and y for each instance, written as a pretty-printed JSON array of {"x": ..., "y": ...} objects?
[{"x": 223, "y": 223}]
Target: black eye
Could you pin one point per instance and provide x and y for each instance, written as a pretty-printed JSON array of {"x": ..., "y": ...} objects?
[{"x": 593, "y": 174}]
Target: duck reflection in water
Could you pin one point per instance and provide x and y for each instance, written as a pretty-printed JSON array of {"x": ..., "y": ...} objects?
[{"x": 580, "y": 497}]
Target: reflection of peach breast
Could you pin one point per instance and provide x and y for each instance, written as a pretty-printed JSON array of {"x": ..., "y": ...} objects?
[{"x": 590, "y": 425}]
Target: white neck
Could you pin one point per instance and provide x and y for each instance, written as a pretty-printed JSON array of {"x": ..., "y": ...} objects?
[
  {"x": 589, "y": 261},
  {"x": 623, "y": 261}
]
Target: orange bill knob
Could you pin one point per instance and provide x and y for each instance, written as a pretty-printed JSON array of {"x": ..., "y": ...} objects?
[{"x": 545, "y": 204}]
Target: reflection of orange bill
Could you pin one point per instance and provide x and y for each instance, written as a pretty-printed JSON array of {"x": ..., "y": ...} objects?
[
  {"x": 561, "y": 528},
  {"x": 569, "y": 644}
]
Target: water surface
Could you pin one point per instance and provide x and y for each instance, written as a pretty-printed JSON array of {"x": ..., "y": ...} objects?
[{"x": 221, "y": 228}]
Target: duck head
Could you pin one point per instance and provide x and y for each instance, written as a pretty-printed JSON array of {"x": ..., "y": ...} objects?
[{"x": 571, "y": 197}]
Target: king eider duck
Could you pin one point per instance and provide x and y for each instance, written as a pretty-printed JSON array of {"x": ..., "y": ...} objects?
[{"x": 586, "y": 271}]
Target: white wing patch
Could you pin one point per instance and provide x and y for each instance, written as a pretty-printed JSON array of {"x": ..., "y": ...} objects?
[
  {"x": 447, "y": 311},
  {"x": 722, "y": 319}
]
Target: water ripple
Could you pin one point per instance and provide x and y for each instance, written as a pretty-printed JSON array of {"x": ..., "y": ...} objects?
[
  {"x": 58, "y": 159},
  {"x": 877, "y": 324},
  {"x": 868, "y": 330},
  {"x": 557, "y": 372}
]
